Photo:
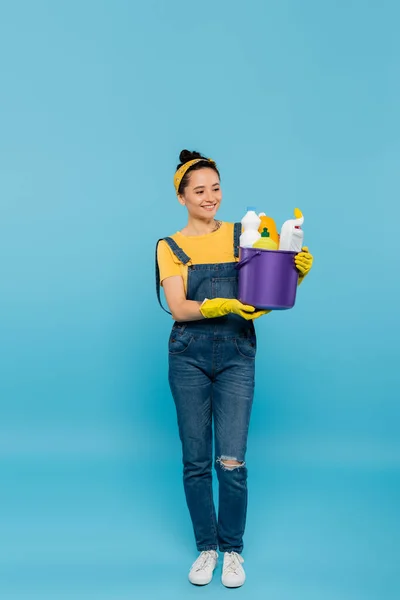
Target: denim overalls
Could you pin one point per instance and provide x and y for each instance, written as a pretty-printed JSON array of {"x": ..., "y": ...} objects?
[{"x": 211, "y": 374}]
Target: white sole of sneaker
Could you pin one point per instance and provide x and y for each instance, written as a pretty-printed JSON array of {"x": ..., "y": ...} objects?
[{"x": 237, "y": 585}]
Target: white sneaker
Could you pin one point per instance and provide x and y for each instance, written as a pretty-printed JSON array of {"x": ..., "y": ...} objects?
[
  {"x": 233, "y": 574},
  {"x": 202, "y": 569}
]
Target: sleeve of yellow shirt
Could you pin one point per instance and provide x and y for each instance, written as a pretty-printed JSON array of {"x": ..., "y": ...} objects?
[{"x": 168, "y": 263}]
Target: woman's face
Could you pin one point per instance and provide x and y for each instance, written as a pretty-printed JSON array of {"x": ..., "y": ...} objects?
[{"x": 202, "y": 195}]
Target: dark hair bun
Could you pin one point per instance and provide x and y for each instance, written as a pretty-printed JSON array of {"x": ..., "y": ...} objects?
[{"x": 186, "y": 155}]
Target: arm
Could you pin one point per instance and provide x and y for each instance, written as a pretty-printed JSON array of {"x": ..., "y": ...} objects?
[
  {"x": 181, "y": 309},
  {"x": 189, "y": 310},
  {"x": 172, "y": 282}
]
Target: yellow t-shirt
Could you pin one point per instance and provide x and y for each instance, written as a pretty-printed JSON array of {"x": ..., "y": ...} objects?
[{"x": 211, "y": 248}]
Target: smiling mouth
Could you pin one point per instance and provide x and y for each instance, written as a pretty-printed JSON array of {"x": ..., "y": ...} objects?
[{"x": 209, "y": 206}]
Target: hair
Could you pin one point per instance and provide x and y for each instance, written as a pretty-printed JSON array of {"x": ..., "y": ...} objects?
[{"x": 185, "y": 156}]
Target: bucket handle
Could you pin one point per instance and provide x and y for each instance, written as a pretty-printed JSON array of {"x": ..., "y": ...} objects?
[{"x": 243, "y": 262}]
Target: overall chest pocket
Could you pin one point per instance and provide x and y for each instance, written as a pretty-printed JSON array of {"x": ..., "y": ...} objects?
[{"x": 224, "y": 287}]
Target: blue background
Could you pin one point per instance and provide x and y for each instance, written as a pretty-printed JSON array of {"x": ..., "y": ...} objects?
[{"x": 298, "y": 102}]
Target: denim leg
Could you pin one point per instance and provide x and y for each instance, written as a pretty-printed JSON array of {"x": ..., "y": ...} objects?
[
  {"x": 232, "y": 403},
  {"x": 191, "y": 390}
]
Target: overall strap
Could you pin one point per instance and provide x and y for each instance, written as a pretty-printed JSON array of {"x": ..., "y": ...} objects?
[
  {"x": 180, "y": 254},
  {"x": 237, "y": 230}
]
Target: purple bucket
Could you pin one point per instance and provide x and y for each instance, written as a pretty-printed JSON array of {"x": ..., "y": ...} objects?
[{"x": 267, "y": 278}]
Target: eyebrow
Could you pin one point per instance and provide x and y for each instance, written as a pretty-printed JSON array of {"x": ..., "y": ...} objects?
[{"x": 198, "y": 187}]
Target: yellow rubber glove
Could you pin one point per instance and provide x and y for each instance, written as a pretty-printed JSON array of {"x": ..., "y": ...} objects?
[
  {"x": 303, "y": 261},
  {"x": 219, "y": 307}
]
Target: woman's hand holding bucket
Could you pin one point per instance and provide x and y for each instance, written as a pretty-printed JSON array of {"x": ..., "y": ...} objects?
[
  {"x": 303, "y": 261},
  {"x": 218, "y": 307}
]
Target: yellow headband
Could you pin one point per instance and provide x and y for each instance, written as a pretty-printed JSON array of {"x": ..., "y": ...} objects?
[{"x": 180, "y": 174}]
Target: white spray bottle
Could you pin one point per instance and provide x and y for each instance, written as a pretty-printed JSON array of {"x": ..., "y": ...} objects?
[
  {"x": 251, "y": 222},
  {"x": 292, "y": 235}
]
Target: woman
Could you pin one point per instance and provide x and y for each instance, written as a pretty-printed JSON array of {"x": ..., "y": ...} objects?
[{"x": 212, "y": 348}]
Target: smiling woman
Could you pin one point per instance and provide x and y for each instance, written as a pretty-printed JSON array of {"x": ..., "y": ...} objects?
[{"x": 212, "y": 348}]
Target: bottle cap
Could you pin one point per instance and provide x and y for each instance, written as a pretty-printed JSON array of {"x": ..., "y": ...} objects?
[
  {"x": 251, "y": 208},
  {"x": 297, "y": 213}
]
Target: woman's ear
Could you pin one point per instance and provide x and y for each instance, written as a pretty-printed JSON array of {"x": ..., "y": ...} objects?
[{"x": 181, "y": 199}]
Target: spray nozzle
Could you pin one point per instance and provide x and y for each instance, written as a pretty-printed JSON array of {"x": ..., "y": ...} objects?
[
  {"x": 297, "y": 213},
  {"x": 299, "y": 219}
]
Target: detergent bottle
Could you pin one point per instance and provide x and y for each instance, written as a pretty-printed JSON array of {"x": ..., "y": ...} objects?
[
  {"x": 269, "y": 223},
  {"x": 291, "y": 237},
  {"x": 265, "y": 242},
  {"x": 250, "y": 223}
]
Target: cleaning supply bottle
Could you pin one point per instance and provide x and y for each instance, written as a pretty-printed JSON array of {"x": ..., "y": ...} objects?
[
  {"x": 291, "y": 237},
  {"x": 250, "y": 223},
  {"x": 270, "y": 224},
  {"x": 265, "y": 242}
]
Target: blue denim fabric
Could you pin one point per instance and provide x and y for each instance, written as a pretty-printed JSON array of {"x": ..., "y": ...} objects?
[{"x": 211, "y": 376}]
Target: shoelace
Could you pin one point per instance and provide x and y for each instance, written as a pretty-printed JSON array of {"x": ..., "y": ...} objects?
[
  {"x": 203, "y": 561},
  {"x": 232, "y": 563}
]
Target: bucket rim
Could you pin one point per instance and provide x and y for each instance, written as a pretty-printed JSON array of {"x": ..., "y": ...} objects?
[{"x": 268, "y": 250}]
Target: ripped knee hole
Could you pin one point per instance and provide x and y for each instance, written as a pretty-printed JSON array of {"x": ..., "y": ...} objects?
[{"x": 229, "y": 463}]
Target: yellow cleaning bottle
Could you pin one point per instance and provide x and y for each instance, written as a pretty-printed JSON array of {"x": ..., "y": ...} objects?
[
  {"x": 265, "y": 242},
  {"x": 270, "y": 224}
]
